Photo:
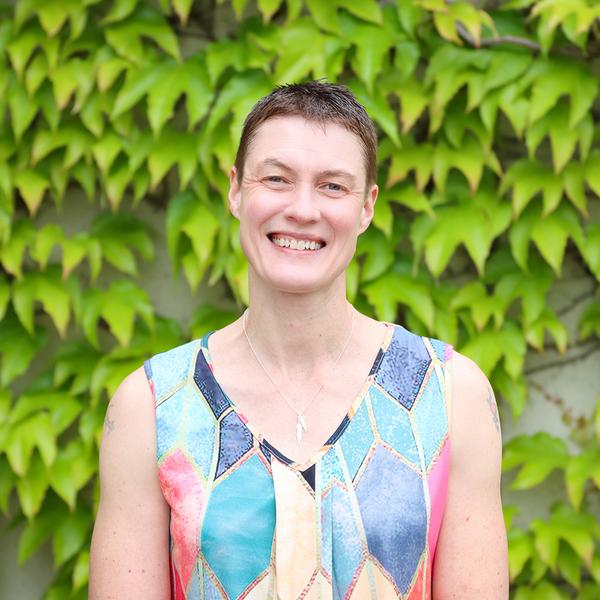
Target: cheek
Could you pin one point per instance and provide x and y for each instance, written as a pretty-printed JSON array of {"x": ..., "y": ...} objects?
[{"x": 345, "y": 220}]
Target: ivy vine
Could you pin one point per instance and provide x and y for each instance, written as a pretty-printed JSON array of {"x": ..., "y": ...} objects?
[{"x": 489, "y": 161}]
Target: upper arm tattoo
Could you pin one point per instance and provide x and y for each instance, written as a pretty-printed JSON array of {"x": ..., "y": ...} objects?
[
  {"x": 493, "y": 408},
  {"x": 109, "y": 424}
]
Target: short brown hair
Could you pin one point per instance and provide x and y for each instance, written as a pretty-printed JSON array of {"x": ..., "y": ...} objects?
[{"x": 318, "y": 102}]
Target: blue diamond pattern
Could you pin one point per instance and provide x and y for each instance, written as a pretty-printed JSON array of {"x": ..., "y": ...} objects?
[{"x": 392, "y": 525}]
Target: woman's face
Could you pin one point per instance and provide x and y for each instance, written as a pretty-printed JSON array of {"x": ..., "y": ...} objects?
[{"x": 302, "y": 203}]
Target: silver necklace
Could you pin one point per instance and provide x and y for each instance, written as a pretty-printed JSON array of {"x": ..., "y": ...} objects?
[{"x": 300, "y": 419}]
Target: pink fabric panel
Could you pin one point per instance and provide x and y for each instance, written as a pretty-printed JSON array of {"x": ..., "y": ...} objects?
[
  {"x": 438, "y": 486},
  {"x": 184, "y": 492}
]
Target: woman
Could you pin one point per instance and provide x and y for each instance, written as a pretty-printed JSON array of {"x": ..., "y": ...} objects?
[{"x": 305, "y": 450}]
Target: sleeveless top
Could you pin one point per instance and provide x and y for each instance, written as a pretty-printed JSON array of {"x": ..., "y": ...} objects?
[{"x": 359, "y": 521}]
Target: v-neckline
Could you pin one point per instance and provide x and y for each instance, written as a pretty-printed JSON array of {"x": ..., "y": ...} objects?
[{"x": 339, "y": 430}]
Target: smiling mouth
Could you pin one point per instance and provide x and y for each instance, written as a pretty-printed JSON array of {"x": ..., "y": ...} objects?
[{"x": 295, "y": 244}]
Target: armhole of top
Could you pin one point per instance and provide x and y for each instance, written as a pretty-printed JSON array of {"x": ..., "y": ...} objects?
[
  {"x": 448, "y": 389},
  {"x": 148, "y": 372}
]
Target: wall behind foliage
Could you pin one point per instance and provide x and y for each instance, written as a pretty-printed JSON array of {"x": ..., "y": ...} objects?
[{"x": 490, "y": 175}]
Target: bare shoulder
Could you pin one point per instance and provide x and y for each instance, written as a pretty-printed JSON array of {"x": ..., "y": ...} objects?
[
  {"x": 475, "y": 430},
  {"x": 130, "y": 413}
]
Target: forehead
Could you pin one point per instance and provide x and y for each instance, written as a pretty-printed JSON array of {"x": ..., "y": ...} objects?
[{"x": 306, "y": 145}]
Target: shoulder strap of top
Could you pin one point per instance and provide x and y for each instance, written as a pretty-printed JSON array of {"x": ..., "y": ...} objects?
[
  {"x": 442, "y": 353},
  {"x": 169, "y": 371}
]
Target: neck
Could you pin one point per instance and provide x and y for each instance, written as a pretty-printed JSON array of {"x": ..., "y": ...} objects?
[{"x": 293, "y": 332}]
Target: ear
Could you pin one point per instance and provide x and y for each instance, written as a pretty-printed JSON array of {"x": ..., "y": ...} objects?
[
  {"x": 368, "y": 208},
  {"x": 235, "y": 193}
]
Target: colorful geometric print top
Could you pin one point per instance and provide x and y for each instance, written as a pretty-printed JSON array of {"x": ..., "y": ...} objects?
[{"x": 360, "y": 521}]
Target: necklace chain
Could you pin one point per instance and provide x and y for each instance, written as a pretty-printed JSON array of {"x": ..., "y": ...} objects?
[{"x": 300, "y": 419}]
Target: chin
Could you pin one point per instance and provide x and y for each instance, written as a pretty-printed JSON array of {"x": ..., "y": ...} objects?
[{"x": 300, "y": 283}]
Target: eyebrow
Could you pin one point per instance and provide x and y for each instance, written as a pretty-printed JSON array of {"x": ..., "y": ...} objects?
[{"x": 274, "y": 162}]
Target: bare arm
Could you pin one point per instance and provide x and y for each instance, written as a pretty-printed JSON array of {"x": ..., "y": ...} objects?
[
  {"x": 129, "y": 553},
  {"x": 471, "y": 560}
]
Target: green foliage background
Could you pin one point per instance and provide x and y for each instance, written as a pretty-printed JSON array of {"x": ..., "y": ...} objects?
[{"x": 489, "y": 171}]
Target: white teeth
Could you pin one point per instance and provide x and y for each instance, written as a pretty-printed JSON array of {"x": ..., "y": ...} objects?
[{"x": 296, "y": 244}]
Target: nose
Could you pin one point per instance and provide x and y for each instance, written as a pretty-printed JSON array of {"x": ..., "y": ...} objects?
[{"x": 303, "y": 205}]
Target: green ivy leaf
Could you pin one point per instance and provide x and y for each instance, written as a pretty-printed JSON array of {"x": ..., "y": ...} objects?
[
  {"x": 490, "y": 346},
  {"x": 78, "y": 248},
  {"x": 173, "y": 148},
  {"x": 12, "y": 251},
  {"x": 575, "y": 528},
  {"x": 391, "y": 289},
  {"x": 582, "y": 467},
  {"x": 378, "y": 108},
  {"x": 408, "y": 196},
  {"x": 592, "y": 172},
  {"x": 53, "y": 15},
  {"x": 268, "y": 8},
  {"x": 137, "y": 84},
  {"x": 528, "y": 178},
  {"x": 17, "y": 348},
  {"x": 106, "y": 150},
  {"x": 120, "y": 10},
  {"x": 474, "y": 296},
  {"x": 70, "y": 535},
  {"x": 306, "y": 54},
  {"x": 372, "y": 44},
  {"x": 412, "y": 158},
  {"x": 37, "y": 72},
  {"x": 126, "y": 36},
  {"x": 447, "y": 231},
  {"x": 32, "y": 186},
  {"x": 551, "y": 233},
  {"x": 547, "y": 321},
  {"x": 75, "y": 140},
  {"x": 110, "y": 372},
  {"x": 38, "y": 530},
  {"x": 368, "y": 10},
  {"x": 208, "y": 317},
  {"x": 32, "y": 487},
  {"x": 377, "y": 253},
  {"x": 73, "y": 77},
  {"x": 563, "y": 137},
  {"x": 569, "y": 565},
  {"x": 514, "y": 390},
  {"x": 118, "y": 306},
  {"x": 543, "y": 591},
  {"x": 201, "y": 227},
  {"x": 7, "y": 482},
  {"x": 190, "y": 78},
  {"x": 4, "y": 296},
  {"x": 574, "y": 178},
  {"x": 108, "y": 71},
  {"x": 589, "y": 322},
  {"x": 325, "y": 14},
  {"x": 561, "y": 76},
  {"x": 414, "y": 100},
  {"x": 520, "y": 550},
  {"x": 537, "y": 455},
  {"x": 72, "y": 469},
  {"x": 82, "y": 564},
  {"x": 49, "y": 289}
]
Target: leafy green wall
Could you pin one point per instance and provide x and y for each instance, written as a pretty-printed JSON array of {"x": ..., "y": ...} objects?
[{"x": 490, "y": 175}]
